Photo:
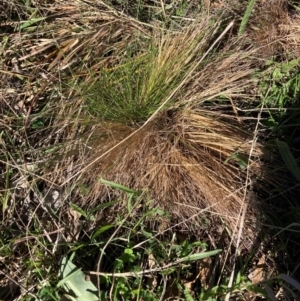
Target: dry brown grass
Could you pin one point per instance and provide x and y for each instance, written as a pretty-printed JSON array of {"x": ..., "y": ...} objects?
[
  {"x": 70, "y": 40},
  {"x": 274, "y": 30},
  {"x": 180, "y": 158},
  {"x": 38, "y": 65},
  {"x": 39, "y": 69}
]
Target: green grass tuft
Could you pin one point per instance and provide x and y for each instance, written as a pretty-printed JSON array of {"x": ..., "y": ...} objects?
[{"x": 131, "y": 91}]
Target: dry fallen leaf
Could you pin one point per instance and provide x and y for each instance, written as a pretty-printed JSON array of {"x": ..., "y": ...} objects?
[
  {"x": 151, "y": 281},
  {"x": 257, "y": 275}
]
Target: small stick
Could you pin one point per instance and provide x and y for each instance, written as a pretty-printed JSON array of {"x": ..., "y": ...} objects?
[{"x": 139, "y": 273}]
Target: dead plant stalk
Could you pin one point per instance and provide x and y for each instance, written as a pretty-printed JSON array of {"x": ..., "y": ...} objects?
[{"x": 242, "y": 213}]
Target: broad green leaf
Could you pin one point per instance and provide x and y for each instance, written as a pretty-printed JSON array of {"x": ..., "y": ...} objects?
[
  {"x": 289, "y": 159},
  {"x": 70, "y": 297},
  {"x": 91, "y": 218},
  {"x": 147, "y": 234},
  {"x": 203, "y": 245},
  {"x": 202, "y": 255},
  {"x": 31, "y": 22},
  {"x": 128, "y": 251},
  {"x": 75, "y": 283},
  {"x": 117, "y": 186},
  {"x": 72, "y": 274},
  {"x": 210, "y": 294},
  {"x": 37, "y": 124},
  {"x": 127, "y": 256},
  {"x": 160, "y": 212},
  {"x": 187, "y": 295},
  {"x": 101, "y": 230},
  {"x": 238, "y": 278}
]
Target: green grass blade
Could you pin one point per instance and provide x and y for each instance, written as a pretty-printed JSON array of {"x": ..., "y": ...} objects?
[
  {"x": 201, "y": 255},
  {"x": 270, "y": 293},
  {"x": 105, "y": 205},
  {"x": 246, "y": 17},
  {"x": 100, "y": 231},
  {"x": 31, "y": 22},
  {"x": 78, "y": 209},
  {"x": 117, "y": 186},
  {"x": 290, "y": 280}
]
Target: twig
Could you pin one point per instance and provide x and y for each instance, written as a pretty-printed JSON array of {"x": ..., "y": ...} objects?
[
  {"x": 36, "y": 236},
  {"x": 287, "y": 227},
  {"x": 242, "y": 213},
  {"x": 165, "y": 280},
  {"x": 139, "y": 273},
  {"x": 266, "y": 110},
  {"x": 163, "y": 9},
  {"x": 20, "y": 285},
  {"x": 235, "y": 111}
]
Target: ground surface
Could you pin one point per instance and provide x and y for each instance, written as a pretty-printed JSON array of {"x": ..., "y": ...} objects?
[{"x": 152, "y": 144}]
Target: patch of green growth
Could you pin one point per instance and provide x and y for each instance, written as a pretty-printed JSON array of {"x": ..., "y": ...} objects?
[
  {"x": 281, "y": 86},
  {"x": 280, "y": 91},
  {"x": 117, "y": 95},
  {"x": 135, "y": 262},
  {"x": 143, "y": 82}
]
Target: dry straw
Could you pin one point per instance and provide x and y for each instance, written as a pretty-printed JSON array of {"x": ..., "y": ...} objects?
[{"x": 275, "y": 31}]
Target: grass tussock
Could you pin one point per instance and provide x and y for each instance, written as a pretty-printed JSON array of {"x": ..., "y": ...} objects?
[
  {"x": 188, "y": 156},
  {"x": 196, "y": 152}
]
